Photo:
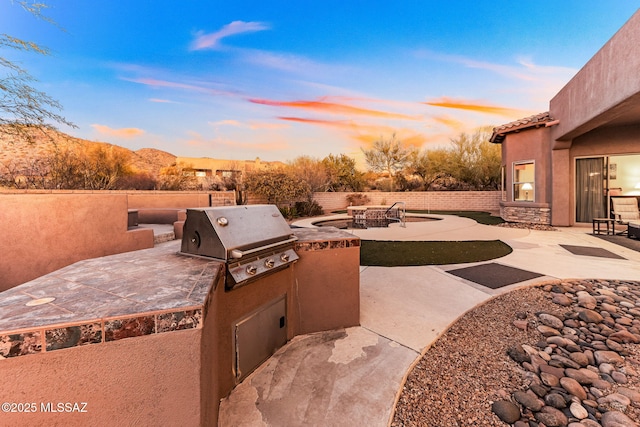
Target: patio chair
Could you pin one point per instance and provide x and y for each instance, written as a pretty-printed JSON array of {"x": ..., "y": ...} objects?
[{"x": 625, "y": 209}]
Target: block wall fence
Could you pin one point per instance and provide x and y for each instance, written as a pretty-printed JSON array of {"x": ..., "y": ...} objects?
[{"x": 424, "y": 200}]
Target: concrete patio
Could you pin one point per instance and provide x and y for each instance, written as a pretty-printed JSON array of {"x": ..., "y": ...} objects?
[{"x": 353, "y": 376}]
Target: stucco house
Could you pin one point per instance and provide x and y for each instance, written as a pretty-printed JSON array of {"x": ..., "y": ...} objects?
[{"x": 562, "y": 167}]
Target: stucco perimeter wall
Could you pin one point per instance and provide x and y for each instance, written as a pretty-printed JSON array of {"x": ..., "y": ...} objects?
[
  {"x": 146, "y": 381},
  {"x": 43, "y": 232},
  {"x": 178, "y": 199},
  {"x": 427, "y": 200},
  {"x": 601, "y": 86}
]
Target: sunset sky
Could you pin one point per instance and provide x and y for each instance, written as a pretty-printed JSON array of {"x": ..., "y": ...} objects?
[{"x": 281, "y": 79}]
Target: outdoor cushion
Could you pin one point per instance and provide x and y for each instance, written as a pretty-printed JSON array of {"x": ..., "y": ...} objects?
[{"x": 625, "y": 208}]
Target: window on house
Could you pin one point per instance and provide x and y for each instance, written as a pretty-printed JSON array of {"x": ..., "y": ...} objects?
[{"x": 524, "y": 182}]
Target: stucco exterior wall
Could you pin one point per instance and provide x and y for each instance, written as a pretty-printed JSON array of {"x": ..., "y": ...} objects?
[
  {"x": 42, "y": 232},
  {"x": 327, "y": 286},
  {"x": 602, "y": 88},
  {"x": 150, "y": 380},
  {"x": 563, "y": 191},
  {"x": 531, "y": 145},
  {"x": 607, "y": 141},
  {"x": 178, "y": 199}
]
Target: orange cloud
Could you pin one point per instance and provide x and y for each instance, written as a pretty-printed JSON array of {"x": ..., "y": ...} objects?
[
  {"x": 468, "y": 106},
  {"x": 367, "y": 134},
  {"x": 450, "y": 122},
  {"x": 118, "y": 133},
  {"x": 333, "y": 108},
  {"x": 329, "y": 123}
]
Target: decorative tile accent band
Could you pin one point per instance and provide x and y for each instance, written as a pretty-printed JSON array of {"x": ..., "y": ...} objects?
[
  {"x": 326, "y": 244},
  {"x": 51, "y": 337}
]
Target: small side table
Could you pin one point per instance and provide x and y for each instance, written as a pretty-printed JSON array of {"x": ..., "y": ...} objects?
[
  {"x": 597, "y": 222},
  {"x": 633, "y": 230}
]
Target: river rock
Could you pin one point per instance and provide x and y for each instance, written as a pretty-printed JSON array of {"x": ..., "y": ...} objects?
[
  {"x": 583, "y": 375},
  {"x": 562, "y": 299},
  {"x": 624, "y": 336},
  {"x": 610, "y": 357},
  {"x": 506, "y": 411},
  {"x": 573, "y": 387},
  {"x": 580, "y": 358},
  {"x": 613, "y": 345},
  {"x": 578, "y": 411},
  {"x": 550, "y": 320},
  {"x": 547, "y": 331},
  {"x": 549, "y": 380},
  {"x": 518, "y": 354},
  {"x": 633, "y": 395},
  {"x": 616, "y": 419},
  {"x": 619, "y": 377},
  {"x": 551, "y": 417},
  {"x": 556, "y": 400},
  {"x": 586, "y": 300},
  {"x": 590, "y": 316},
  {"x": 528, "y": 399}
]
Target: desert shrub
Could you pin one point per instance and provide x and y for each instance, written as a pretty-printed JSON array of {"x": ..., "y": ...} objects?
[
  {"x": 289, "y": 212},
  {"x": 357, "y": 199},
  {"x": 308, "y": 208}
]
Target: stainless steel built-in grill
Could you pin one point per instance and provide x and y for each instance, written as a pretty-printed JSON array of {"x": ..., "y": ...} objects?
[{"x": 253, "y": 240}]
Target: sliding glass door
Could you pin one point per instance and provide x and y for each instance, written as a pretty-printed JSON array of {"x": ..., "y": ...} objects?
[{"x": 590, "y": 189}]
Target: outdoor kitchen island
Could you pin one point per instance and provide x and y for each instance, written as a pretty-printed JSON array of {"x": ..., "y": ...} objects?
[{"x": 150, "y": 337}]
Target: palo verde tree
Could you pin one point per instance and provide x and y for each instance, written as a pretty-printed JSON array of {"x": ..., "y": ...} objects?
[
  {"x": 21, "y": 104},
  {"x": 388, "y": 155},
  {"x": 475, "y": 161}
]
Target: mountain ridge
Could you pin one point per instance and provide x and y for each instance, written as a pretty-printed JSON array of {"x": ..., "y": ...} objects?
[{"x": 20, "y": 151}]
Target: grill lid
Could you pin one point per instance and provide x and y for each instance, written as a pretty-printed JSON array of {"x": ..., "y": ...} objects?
[{"x": 233, "y": 232}]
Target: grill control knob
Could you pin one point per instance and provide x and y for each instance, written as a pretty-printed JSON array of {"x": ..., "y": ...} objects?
[
  {"x": 284, "y": 257},
  {"x": 269, "y": 263},
  {"x": 251, "y": 270}
]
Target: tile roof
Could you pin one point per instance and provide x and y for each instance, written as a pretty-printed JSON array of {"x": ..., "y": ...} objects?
[{"x": 534, "y": 121}]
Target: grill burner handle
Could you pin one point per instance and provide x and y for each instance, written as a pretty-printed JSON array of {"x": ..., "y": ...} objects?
[{"x": 237, "y": 253}]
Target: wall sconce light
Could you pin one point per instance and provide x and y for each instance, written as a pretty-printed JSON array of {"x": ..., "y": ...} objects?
[
  {"x": 637, "y": 187},
  {"x": 526, "y": 187}
]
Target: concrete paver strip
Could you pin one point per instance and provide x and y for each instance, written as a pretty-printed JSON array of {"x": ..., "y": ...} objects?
[{"x": 413, "y": 305}]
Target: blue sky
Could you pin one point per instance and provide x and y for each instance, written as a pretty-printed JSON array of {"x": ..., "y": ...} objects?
[{"x": 281, "y": 79}]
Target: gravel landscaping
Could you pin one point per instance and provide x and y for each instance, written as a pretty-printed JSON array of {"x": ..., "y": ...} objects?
[{"x": 561, "y": 354}]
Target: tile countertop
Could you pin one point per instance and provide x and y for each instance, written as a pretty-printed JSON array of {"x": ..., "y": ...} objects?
[
  {"x": 305, "y": 234},
  {"x": 148, "y": 280}
]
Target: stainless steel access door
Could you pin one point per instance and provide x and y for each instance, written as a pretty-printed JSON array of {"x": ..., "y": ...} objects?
[{"x": 259, "y": 335}]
